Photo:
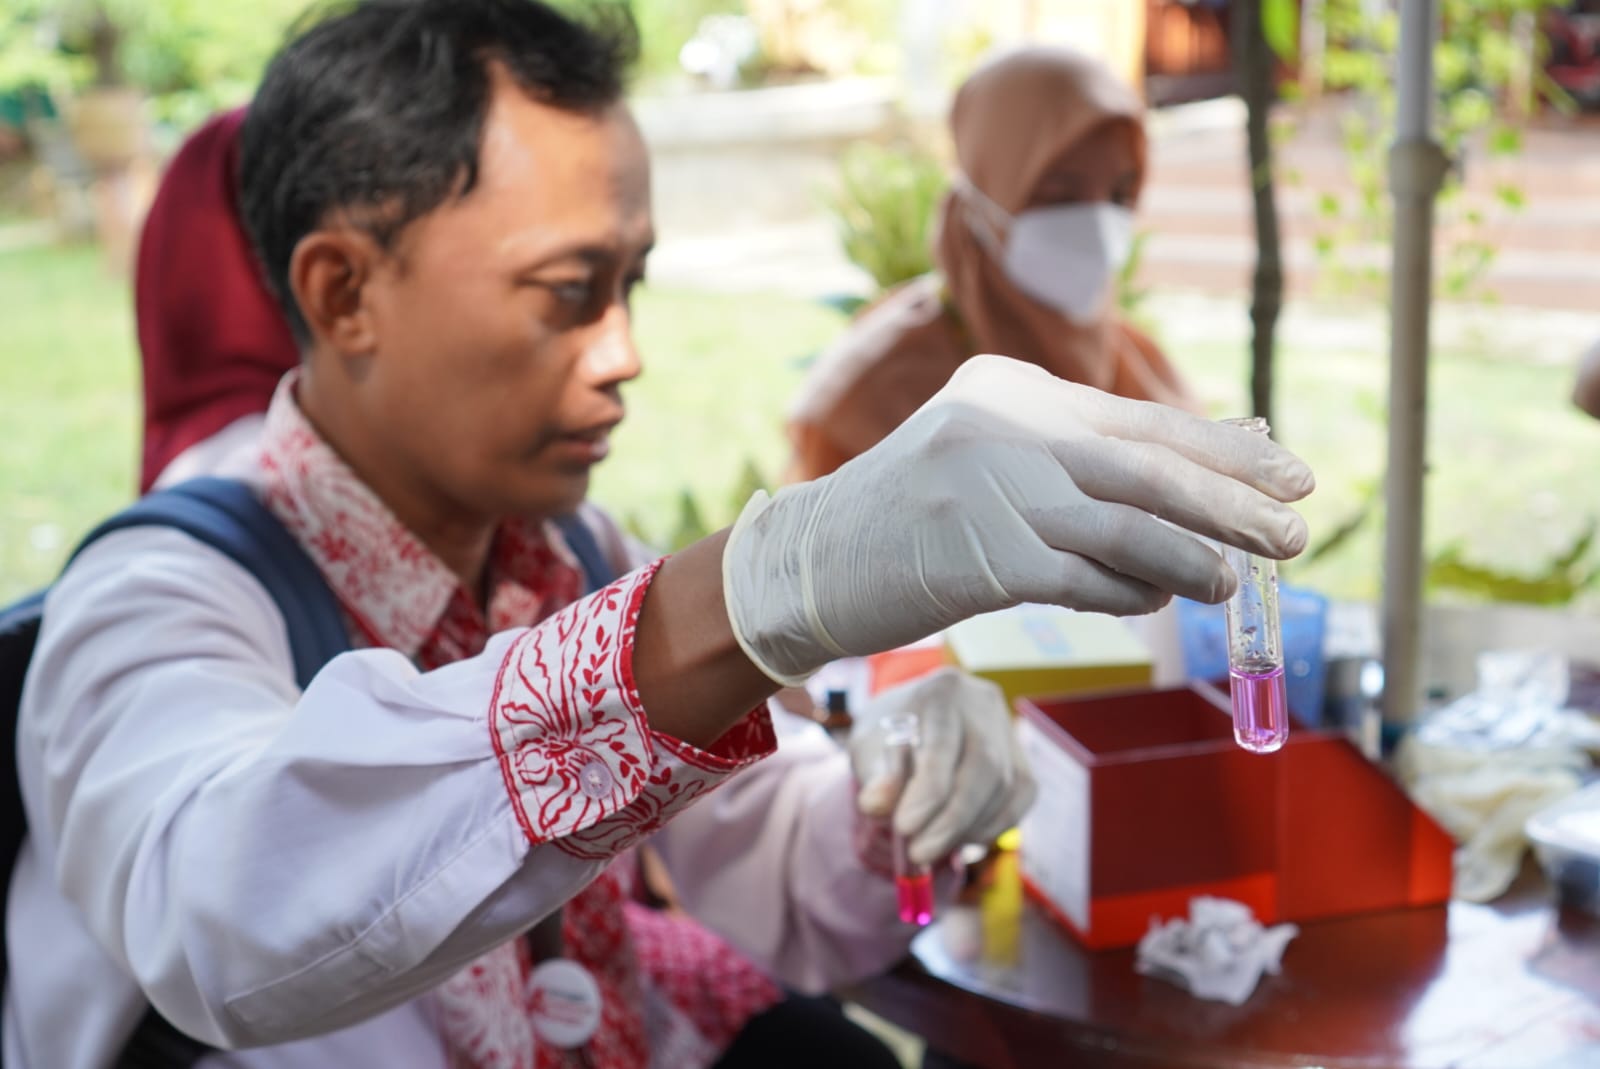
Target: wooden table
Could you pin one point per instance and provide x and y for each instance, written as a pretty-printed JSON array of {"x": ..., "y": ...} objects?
[{"x": 1515, "y": 985}]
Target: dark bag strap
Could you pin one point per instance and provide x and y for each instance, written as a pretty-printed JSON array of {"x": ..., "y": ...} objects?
[
  {"x": 597, "y": 571},
  {"x": 228, "y": 516}
]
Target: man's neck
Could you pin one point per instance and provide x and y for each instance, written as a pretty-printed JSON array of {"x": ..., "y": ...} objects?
[{"x": 458, "y": 538}]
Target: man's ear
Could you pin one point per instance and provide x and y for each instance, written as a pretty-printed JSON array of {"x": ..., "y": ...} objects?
[{"x": 328, "y": 274}]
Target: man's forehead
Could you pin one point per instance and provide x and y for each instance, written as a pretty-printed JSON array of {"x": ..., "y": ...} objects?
[
  {"x": 522, "y": 134},
  {"x": 542, "y": 164},
  {"x": 551, "y": 180}
]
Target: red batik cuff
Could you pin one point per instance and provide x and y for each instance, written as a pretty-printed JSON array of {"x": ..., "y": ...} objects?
[{"x": 584, "y": 769}]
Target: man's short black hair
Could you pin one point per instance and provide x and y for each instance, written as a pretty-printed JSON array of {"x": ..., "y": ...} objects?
[{"x": 378, "y": 109}]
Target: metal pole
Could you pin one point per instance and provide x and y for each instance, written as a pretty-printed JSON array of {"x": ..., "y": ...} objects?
[{"x": 1417, "y": 167}]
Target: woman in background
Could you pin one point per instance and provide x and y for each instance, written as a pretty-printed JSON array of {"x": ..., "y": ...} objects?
[{"x": 1033, "y": 235}]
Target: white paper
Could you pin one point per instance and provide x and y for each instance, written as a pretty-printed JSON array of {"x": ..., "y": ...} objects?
[{"x": 1218, "y": 953}]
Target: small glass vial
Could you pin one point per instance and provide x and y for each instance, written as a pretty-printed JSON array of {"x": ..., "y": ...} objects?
[
  {"x": 835, "y": 715},
  {"x": 1255, "y": 644},
  {"x": 913, "y": 883}
]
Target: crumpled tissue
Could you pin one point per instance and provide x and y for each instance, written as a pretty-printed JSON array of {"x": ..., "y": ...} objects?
[
  {"x": 1219, "y": 953},
  {"x": 1482, "y": 765}
]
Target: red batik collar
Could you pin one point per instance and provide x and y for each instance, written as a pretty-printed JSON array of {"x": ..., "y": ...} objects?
[{"x": 397, "y": 592}]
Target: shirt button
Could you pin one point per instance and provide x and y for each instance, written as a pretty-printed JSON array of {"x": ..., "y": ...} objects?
[{"x": 594, "y": 779}]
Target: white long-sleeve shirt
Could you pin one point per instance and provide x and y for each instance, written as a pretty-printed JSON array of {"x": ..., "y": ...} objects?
[{"x": 299, "y": 872}]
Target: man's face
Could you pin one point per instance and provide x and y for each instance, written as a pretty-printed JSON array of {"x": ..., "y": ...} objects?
[{"x": 501, "y": 319}]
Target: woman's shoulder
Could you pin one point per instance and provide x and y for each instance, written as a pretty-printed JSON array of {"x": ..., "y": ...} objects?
[
  {"x": 920, "y": 304},
  {"x": 1139, "y": 339},
  {"x": 912, "y": 318}
]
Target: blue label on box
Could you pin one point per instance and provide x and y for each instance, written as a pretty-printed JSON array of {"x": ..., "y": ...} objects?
[{"x": 1046, "y": 636}]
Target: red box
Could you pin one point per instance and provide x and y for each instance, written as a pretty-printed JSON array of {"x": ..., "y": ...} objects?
[{"x": 1146, "y": 801}]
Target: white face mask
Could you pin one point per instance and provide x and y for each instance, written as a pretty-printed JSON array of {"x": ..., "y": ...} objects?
[{"x": 1066, "y": 256}]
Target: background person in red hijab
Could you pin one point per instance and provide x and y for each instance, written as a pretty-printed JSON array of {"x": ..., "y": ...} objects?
[{"x": 211, "y": 339}]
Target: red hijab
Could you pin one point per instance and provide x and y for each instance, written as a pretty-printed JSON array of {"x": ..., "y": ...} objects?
[{"x": 211, "y": 337}]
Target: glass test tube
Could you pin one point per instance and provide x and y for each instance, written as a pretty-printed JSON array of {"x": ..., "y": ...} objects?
[
  {"x": 913, "y": 883},
  {"x": 1255, "y": 644}
]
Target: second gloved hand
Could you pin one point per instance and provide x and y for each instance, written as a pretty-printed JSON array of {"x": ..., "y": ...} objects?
[{"x": 969, "y": 780}]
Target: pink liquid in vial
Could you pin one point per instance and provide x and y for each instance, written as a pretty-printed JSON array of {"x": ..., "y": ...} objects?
[
  {"x": 1260, "y": 709},
  {"x": 915, "y": 894}
]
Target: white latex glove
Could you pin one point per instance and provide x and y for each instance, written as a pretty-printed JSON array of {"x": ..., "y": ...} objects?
[
  {"x": 969, "y": 779},
  {"x": 1008, "y": 486}
]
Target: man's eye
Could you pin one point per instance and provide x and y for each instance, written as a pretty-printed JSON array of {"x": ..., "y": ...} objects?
[{"x": 574, "y": 293}]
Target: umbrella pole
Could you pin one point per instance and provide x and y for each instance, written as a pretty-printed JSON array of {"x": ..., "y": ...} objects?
[{"x": 1417, "y": 166}]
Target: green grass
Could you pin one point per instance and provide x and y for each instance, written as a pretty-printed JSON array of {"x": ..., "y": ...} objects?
[
  {"x": 1512, "y": 475},
  {"x": 719, "y": 371},
  {"x": 69, "y": 406}
]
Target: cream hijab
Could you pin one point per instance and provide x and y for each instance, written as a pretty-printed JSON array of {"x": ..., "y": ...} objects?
[{"x": 1013, "y": 118}]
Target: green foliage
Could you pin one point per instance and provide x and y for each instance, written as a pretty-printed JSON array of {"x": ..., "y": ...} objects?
[
  {"x": 1559, "y": 582},
  {"x": 1280, "y": 25},
  {"x": 1131, "y": 292},
  {"x": 190, "y": 56},
  {"x": 194, "y": 56},
  {"x": 28, "y": 57},
  {"x": 1369, "y": 495},
  {"x": 1476, "y": 64},
  {"x": 884, "y": 209},
  {"x": 691, "y": 526},
  {"x": 692, "y": 522}
]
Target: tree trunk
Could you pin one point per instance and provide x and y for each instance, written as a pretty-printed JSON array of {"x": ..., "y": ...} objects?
[
  {"x": 105, "y": 45},
  {"x": 1253, "y": 64}
]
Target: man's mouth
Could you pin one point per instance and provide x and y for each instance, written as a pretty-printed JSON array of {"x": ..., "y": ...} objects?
[{"x": 592, "y": 444}]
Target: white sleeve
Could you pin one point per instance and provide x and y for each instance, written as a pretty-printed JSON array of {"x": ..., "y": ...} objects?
[
  {"x": 270, "y": 865},
  {"x": 786, "y": 833}
]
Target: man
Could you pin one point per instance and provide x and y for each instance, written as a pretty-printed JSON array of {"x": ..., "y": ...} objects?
[{"x": 451, "y": 202}]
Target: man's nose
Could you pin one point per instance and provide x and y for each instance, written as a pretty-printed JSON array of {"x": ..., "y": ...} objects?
[{"x": 612, "y": 357}]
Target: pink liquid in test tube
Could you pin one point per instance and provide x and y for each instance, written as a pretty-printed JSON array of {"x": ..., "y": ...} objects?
[
  {"x": 1260, "y": 709},
  {"x": 915, "y": 894}
]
